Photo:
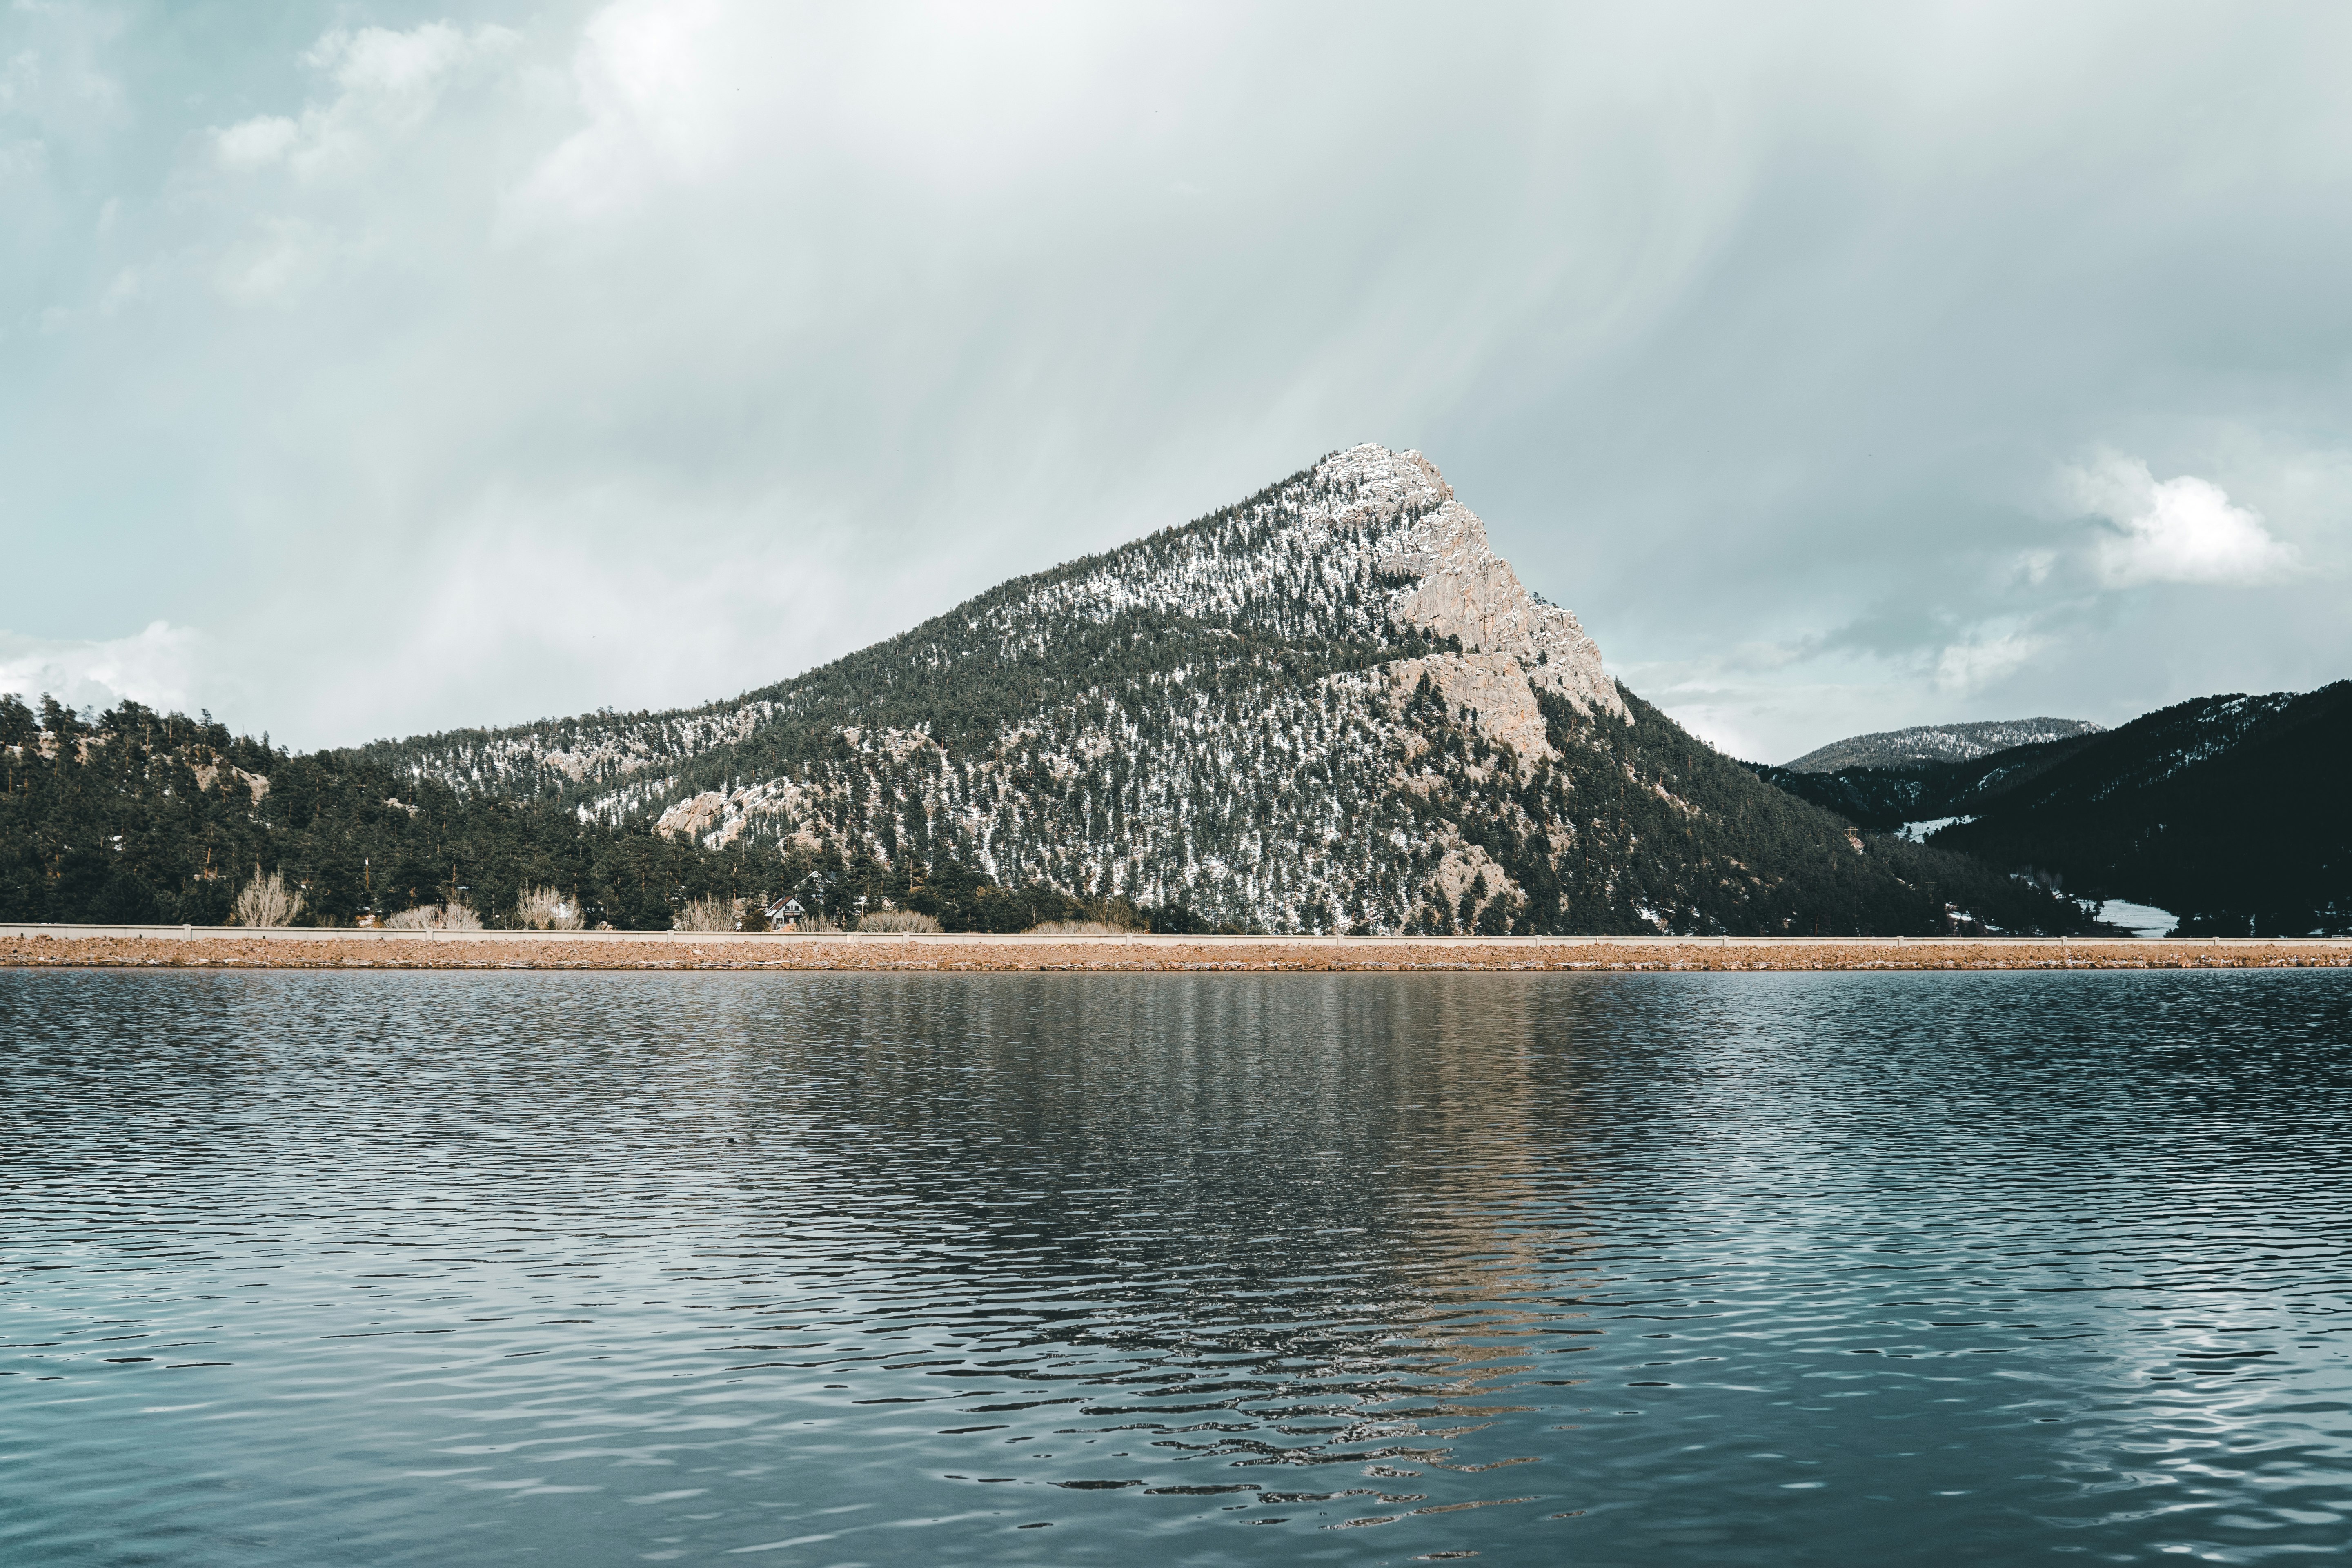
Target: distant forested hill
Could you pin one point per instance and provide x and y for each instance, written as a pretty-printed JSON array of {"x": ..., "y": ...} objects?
[
  {"x": 1937, "y": 743},
  {"x": 140, "y": 818},
  {"x": 1885, "y": 798},
  {"x": 2233, "y": 812}
]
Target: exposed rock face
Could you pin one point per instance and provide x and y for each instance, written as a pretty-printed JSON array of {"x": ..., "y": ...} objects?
[
  {"x": 255, "y": 785},
  {"x": 1491, "y": 692},
  {"x": 1462, "y": 589},
  {"x": 698, "y": 816}
]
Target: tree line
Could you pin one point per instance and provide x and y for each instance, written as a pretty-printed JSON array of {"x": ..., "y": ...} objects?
[{"x": 133, "y": 816}]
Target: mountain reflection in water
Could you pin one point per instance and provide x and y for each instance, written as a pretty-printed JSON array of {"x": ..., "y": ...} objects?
[{"x": 442, "y": 1267}]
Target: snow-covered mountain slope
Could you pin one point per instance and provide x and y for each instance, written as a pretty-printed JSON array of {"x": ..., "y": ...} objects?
[
  {"x": 1937, "y": 743},
  {"x": 1331, "y": 707}
]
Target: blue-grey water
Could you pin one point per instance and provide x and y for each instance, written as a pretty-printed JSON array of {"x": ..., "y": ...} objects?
[{"x": 455, "y": 1268}]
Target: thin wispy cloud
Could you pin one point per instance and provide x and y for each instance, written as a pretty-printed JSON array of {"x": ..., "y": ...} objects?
[
  {"x": 386, "y": 83},
  {"x": 1969, "y": 667}
]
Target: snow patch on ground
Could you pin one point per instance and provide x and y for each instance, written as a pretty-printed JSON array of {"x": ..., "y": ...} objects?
[
  {"x": 2138, "y": 920},
  {"x": 1917, "y": 832}
]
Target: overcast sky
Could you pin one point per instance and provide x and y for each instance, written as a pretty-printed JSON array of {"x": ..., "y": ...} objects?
[{"x": 373, "y": 368}]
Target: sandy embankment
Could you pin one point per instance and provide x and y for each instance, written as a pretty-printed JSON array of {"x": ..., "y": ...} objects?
[{"x": 178, "y": 947}]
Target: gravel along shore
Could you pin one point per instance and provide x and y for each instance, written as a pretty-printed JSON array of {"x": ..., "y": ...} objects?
[{"x": 182, "y": 947}]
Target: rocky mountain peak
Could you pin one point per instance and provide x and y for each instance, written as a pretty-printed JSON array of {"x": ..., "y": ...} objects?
[{"x": 1453, "y": 584}]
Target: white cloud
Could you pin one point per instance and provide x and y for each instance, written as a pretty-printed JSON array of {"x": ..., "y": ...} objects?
[
  {"x": 157, "y": 666},
  {"x": 1767, "y": 702},
  {"x": 22, "y": 160},
  {"x": 1769, "y": 721},
  {"x": 2178, "y": 531},
  {"x": 280, "y": 261},
  {"x": 262, "y": 139},
  {"x": 387, "y": 84},
  {"x": 1979, "y": 661},
  {"x": 519, "y": 604},
  {"x": 52, "y": 75},
  {"x": 646, "y": 75},
  {"x": 134, "y": 284}
]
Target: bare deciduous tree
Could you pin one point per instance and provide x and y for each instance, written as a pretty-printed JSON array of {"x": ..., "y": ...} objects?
[
  {"x": 451, "y": 916},
  {"x": 265, "y": 902},
  {"x": 705, "y": 914},
  {"x": 544, "y": 909},
  {"x": 898, "y": 919}
]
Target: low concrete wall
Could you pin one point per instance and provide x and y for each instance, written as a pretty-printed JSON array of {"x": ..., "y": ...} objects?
[{"x": 306, "y": 948}]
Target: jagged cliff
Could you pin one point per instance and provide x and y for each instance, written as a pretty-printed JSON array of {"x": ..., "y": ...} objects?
[{"x": 1331, "y": 707}]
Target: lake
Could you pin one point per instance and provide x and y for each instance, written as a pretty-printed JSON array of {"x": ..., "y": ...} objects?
[{"x": 317, "y": 1269}]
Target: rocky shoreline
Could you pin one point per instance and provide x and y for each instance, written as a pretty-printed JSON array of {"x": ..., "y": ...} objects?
[{"x": 184, "y": 947}]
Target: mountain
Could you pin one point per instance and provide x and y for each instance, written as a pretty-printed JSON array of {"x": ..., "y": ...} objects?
[
  {"x": 2229, "y": 811},
  {"x": 1937, "y": 743},
  {"x": 1331, "y": 707},
  {"x": 1887, "y": 798}
]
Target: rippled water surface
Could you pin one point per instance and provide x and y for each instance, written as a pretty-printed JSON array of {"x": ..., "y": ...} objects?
[{"x": 453, "y": 1269}]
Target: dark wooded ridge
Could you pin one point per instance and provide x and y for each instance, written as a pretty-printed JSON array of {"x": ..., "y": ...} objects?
[{"x": 2234, "y": 812}]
